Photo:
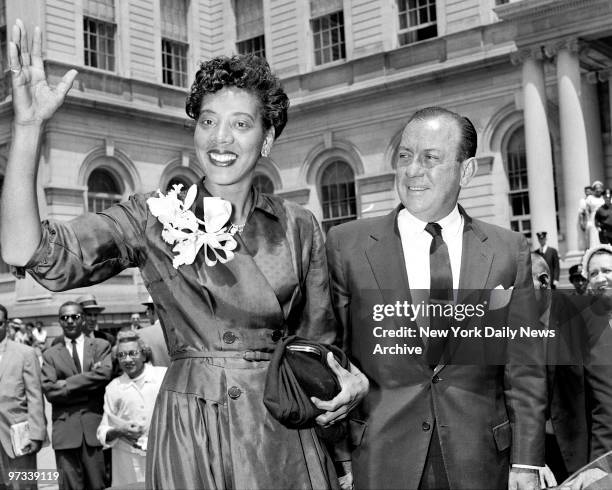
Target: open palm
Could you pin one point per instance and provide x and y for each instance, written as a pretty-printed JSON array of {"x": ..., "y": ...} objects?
[{"x": 33, "y": 100}]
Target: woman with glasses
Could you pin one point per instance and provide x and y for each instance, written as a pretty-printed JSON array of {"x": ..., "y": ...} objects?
[{"x": 231, "y": 272}]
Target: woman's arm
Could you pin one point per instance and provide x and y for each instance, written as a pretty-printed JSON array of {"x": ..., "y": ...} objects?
[{"x": 34, "y": 102}]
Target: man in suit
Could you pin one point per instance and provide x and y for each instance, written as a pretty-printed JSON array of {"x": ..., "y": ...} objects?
[
  {"x": 75, "y": 373},
  {"x": 21, "y": 400},
  {"x": 431, "y": 423},
  {"x": 551, "y": 257}
]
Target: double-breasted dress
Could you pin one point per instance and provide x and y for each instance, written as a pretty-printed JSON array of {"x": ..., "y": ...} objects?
[{"x": 210, "y": 428}]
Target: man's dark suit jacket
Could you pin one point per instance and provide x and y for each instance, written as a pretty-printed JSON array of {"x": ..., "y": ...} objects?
[
  {"x": 552, "y": 259},
  {"x": 579, "y": 368},
  {"x": 488, "y": 416},
  {"x": 76, "y": 408}
]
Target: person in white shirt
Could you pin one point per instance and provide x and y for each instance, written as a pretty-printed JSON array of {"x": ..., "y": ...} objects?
[{"x": 128, "y": 405}]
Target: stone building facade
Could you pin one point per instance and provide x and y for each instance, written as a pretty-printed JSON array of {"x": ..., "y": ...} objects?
[{"x": 531, "y": 74}]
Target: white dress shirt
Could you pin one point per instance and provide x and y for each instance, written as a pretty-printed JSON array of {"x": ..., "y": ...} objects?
[
  {"x": 130, "y": 400},
  {"x": 80, "y": 347},
  {"x": 416, "y": 243}
]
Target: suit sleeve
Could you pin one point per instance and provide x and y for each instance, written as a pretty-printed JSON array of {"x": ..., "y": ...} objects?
[
  {"x": 340, "y": 293},
  {"x": 525, "y": 371},
  {"x": 555, "y": 266},
  {"x": 90, "y": 248},
  {"x": 108, "y": 416},
  {"x": 96, "y": 378},
  {"x": 34, "y": 397}
]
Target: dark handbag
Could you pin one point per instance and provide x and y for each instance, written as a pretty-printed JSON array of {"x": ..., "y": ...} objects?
[{"x": 298, "y": 370}]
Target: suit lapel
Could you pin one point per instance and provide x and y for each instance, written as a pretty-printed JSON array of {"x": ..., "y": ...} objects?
[
  {"x": 386, "y": 258},
  {"x": 88, "y": 353},
  {"x": 65, "y": 356},
  {"x": 476, "y": 257}
]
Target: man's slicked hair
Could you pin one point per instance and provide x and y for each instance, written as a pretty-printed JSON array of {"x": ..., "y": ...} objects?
[{"x": 469, "y": 138}]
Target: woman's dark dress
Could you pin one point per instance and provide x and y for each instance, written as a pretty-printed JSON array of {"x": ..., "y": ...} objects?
[{"x": 210, "y": 428}]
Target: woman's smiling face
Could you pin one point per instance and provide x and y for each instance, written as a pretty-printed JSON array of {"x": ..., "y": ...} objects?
[
  {"x": 229, "y": 136},
  {"x": 600, "y": 274}
]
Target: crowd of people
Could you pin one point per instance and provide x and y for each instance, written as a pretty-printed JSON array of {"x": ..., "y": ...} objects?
[
  {"x": 233, "y": 271},
  {"x": 595, "y": 215}
]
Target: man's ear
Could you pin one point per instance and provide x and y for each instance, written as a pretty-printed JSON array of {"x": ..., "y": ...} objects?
[
  {"x": 268, "y": 141},
  {"x": 469, "y": 167}
]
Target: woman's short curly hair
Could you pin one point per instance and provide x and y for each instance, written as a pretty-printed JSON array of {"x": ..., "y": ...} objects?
[{"x": 247, "y": 72}]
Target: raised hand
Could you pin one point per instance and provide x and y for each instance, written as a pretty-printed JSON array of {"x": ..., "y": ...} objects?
[{"x": 33, "y": 100}]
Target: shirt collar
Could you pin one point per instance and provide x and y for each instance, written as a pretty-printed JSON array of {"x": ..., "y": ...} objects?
[
  {"x": 147, "y": 376},
  {"x": 451, "y": 223},
  {"x": 79, "y": 340}
]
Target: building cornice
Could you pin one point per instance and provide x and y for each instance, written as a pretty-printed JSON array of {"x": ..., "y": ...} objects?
[{"x": 533, "y": 9}]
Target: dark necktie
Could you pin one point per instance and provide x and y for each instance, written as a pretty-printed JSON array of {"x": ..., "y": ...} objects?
[
  {"x": 440, "y": 290},
  {"x": 75, "y": 356}
]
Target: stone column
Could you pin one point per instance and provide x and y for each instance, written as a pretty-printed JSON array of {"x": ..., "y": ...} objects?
[
  {"x": 538, "y": 147},
  {"x": 574, "y": 139}
]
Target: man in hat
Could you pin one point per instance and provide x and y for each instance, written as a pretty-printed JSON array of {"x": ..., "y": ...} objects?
[
  {"x": 551, "y": 257},
  {"x": 92, "y": 310},
  {"x": 577, "y": 279},
  {"x": 153, "y": 336}
]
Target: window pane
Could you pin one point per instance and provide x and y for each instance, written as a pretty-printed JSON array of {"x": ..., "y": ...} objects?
[
  {"x": 338, "y": 194},
  {"x": 99, "y": 44},
  {"x": 174, "y": 63},
  {"x": 328, "y": 37}
]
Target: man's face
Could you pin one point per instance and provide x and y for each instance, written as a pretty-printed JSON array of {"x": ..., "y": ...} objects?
[
  {"x": 72, "y": 320},
  {"x": 428, "y": 175},
  {"x": 580, "y": 283},
  {"x": 3, "y": 326},
  {"x": 598, "y": 190},
  {"x": 131, "y": 359},
  {"x": 91, "y": 320},
  {"x": 542, "y": 240}
]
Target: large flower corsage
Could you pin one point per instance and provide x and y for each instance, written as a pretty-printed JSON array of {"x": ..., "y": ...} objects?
[{"x": 182, "y": 227}]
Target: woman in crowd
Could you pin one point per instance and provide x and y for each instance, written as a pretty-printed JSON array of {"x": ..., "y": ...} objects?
[{"x": 229, "y": 276}]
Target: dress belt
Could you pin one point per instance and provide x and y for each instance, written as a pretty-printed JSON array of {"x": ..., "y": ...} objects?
[{"x": 248, "y": 355}]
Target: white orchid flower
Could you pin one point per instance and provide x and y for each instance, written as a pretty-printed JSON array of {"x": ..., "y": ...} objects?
[{"x": 181, "y": 226}]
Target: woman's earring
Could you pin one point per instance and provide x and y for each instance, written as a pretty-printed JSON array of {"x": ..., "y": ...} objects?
[{"x": 264, "y": 151}]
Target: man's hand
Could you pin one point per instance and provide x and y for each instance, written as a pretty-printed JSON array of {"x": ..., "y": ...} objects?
[
  {"x": 131, "y": 432},
  {"x": 523, "y": 479},
  {"x": 584, "y": 479},
  {"x": 353, "y": 387},
  {"x": 547, "y": 478},
  {"x": 32, "y": 447}
]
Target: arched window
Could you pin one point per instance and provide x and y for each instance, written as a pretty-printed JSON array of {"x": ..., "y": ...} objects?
[
  {"x": 516, "y": 167},
  {"x": 104, "y": 190},
  {"x": 263, "y": 184},
  {"x": 338, "y": 194}
]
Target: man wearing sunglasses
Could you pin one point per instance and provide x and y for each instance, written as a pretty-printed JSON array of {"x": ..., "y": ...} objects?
[
  {"x": 75, "y": 372},
  {"x": 128, "y": 406}
]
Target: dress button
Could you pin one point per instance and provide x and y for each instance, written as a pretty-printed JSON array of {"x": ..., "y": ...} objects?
[
  {"x": 436, "y": 379},
  {"x": 234, "y": 392},
  {"x": 277, "y": 335},
  {"x": 426, "y": 426},
  {"x": 229, "y": 338}
]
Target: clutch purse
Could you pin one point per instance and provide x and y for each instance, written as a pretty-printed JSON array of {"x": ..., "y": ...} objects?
[{"x": 298, "y": 370}]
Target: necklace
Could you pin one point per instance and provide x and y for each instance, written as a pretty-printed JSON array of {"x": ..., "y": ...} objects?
[{"x": 234, "y": 228}]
